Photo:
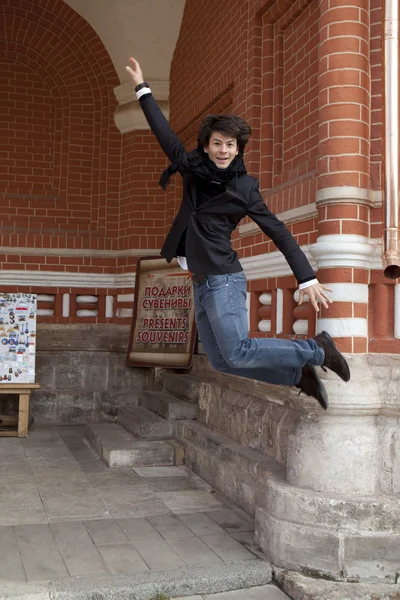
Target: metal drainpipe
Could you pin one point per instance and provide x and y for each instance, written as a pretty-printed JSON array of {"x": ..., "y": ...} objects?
[{"x": 391, "y": 257}]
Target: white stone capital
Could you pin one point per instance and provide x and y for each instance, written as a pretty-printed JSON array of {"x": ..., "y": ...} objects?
[
  {"x": 347, "y": 194},
  {"x": 128, "y": 115},
  {"x": 347, "y": 250},
  {"x": 125, "y": 93}
]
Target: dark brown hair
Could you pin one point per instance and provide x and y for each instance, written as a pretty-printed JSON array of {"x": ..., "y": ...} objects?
[{"x": 230, "y": 125}]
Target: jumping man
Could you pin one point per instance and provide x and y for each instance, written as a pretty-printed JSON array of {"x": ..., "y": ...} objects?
[{"x": 217, "y": 194}]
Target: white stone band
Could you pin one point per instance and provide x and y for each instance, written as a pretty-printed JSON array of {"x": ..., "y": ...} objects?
[
  {"x": 337, "y": 327},
  {"x": 349, "y": 292},
  {"x": 347, "y": 194}
]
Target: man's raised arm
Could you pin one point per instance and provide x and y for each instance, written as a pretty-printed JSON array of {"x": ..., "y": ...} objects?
[{"x": 168, "y": 140}]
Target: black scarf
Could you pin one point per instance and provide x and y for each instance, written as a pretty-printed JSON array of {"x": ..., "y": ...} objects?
[{"x": 199, "y": 163}]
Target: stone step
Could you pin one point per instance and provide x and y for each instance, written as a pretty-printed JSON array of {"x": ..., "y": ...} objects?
[
  {"x": 183, "y": 386},
  {"x": 119, "y": 448},
  {"x": 98, "y": 433},
  {"x": 234, "y": 469},
  {"x": 155, "y": 453},
  {"x": 144, "y": 424},
  {"x": 167, "y": 406},
  {"x": 193, "y": 581}
]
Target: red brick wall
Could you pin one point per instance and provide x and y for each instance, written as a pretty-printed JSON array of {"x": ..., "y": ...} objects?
[
  {"x": 142, "y": 201},
  {"x": 300, "y": 90},
  {"x": 248, "y": 52},
  {"x": 376, "y": 93},
  {"x": 61, "y": 152}
]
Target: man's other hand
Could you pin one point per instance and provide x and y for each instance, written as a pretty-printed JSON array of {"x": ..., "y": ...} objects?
[{"x": 316, "y": 293}]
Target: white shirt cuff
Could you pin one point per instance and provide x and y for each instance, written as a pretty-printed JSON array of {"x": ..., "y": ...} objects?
[
  {"x": 142, "y": 92},
  {"x": 306, "y": 284},
  {"x": 182, "y": 262}
]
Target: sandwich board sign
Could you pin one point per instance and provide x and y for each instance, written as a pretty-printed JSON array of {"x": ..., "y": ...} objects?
[{"x": 163, "y": 330}]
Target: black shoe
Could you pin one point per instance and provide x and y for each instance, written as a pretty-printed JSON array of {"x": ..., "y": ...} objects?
[
  {"x": 311, "y": 385},
  {"x": 333, "y": 358}
]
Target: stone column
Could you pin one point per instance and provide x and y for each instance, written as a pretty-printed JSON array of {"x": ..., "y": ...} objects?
[{"x": 343, "y": 197}]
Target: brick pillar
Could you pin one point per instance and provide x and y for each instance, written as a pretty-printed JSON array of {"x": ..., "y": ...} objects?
[{"x": 343, "y": 196}]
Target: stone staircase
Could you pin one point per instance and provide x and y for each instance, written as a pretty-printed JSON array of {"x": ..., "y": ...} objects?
[
  {"x": 144, "y": 435},
  {"x": 214, "y": 423}
]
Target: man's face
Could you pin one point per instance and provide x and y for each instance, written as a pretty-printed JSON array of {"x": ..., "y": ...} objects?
[{"x": 221, "y": 149}]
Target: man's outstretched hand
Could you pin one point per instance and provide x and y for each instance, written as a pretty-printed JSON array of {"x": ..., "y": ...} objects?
[
  {"x": 135, "y": 71},
  {"x": 316, "y": 293}
]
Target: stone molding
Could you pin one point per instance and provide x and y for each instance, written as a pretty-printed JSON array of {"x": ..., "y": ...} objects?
[
  {"x": 128, "y": 115},
  {"x": 125, "y": 93},
  {"x": 81, "y": 252},
  {"x": 273, "y": 264},
  {"x": 329, "y": 251},
  {"x": 349, "y": 195},
  {"x": 347, "y": 250},
  {"x": 56, "y": 279},
  {"x": 293, "y": 215}
]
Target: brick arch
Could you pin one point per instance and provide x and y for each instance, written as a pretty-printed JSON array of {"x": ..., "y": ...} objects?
[
  {"x": 56, "y": 45},
  {"x": 26, "y": 61}
]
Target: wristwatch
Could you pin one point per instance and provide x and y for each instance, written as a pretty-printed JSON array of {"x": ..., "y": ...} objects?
[{"x": 141, "y": 85}]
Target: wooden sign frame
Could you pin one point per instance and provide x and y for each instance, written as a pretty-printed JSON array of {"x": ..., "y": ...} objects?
[{"x": 163, "y": 332}]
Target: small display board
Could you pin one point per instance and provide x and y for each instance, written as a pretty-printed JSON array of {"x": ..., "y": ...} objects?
[
  {"x": 17, "y": 338},
  {"x": 163, "y": 329}
]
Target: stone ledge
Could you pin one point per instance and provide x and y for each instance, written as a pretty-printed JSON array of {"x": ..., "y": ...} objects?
[
  {"x": 379, "y": 514},
  {"x": 300, "y": 587},
  {"x": 236, "y": 470},
  {"x": 207, "y": 579},
  {"x": 340, "y": 555}
]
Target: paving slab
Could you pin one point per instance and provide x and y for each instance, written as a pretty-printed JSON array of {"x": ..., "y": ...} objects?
[
  {"x": 226, "y": 547},
  {"x": 247, "y": 540},
  {"x": 11, "y": 568},
  {"x": 264, "y": 592},
  {"x": 106, "y": 531},
  {"x": 83, "y": 502},
  {"x": 200, "y": 524},
  {"x": 77, "y": 549},
  {"x": 113, "y": 478},
  {"x": 193, "y": 551},
  {"x": 41, "y": 558},
  {"x": 233, "y": 520},
  {"x": 122, "y": 558},
  {"x": 144, "y": 508},
  {"x": 158, "y": 554},
  {"x": 126, "y": 493},
  {"x": 139, "y": 529},
  {"x": 170, "y": 527},
  {"x": 175, "y": 484},
  {"x": 192, "y": 501}
]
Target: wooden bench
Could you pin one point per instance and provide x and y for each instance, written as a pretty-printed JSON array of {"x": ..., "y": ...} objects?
[{"x": 20, "y": 424}]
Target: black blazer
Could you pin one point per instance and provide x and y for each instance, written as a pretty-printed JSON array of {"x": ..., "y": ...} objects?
[{"x": 209, "y": 225}]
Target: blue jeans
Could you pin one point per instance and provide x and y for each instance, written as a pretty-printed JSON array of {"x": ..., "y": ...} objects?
[{"x": 221, "y": 317}]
